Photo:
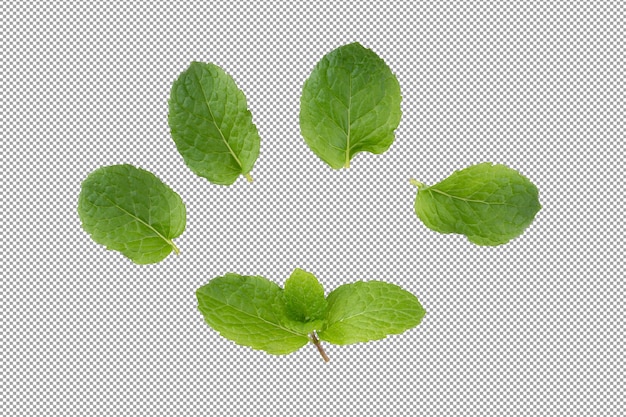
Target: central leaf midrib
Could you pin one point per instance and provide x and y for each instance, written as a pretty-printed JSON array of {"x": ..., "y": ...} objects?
[
  {"x": 208, "y": 106},
  {"x": 467, "y": 200},
  {"x": 347, "y": 162},
  {"x": 257, "y": 317},
  {"x": 365, "y": 312},
  {"x": 148, "y": 225}
]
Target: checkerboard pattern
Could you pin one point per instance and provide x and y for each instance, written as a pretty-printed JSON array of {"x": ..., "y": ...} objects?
[{"x": 534, "y": 327}]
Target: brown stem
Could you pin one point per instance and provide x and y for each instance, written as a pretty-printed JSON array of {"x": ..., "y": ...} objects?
[{"x": 319, "y": 346}]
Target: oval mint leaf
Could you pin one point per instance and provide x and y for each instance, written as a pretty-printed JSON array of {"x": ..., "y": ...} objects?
[
  {"x": 371, "y": 310},
  {"x": 130, "y": 210},
  {"x": 490, "y": 204},
  {"x": 249, "y": 310},
  {"x": 350, "y": 103},
  {"x": 211, "y": 125}
]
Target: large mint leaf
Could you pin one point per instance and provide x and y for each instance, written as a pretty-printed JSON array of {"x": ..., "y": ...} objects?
[
  {"x": 130, "y": 210},
  {"x": 250, "y": 310},
  {"x": 364, "y": 311},
  {"x": 211, "y": 124},
  {"x": 350, "y": 103},
  {"x": 305, "y": 301},
  {"x": 490, "y": 204}
]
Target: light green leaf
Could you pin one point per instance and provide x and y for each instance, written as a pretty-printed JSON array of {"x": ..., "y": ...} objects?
[
  {"x": 251, "y": 311},
  {"x": 350, "y": 103},
  {"x": 304, "y": 298},
  {"x": 130, "y": 210},
  {"x": 490, "y": 204},
  {"x": 364, "y": 311},
  {"x": 211, "y": 124}
]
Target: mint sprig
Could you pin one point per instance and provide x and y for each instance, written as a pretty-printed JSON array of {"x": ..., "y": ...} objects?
[{"x": 253, "y": 311}]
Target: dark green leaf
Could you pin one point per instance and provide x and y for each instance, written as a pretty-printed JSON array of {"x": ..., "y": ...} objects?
[
  {"x": 211, "y": 124},
  {"x": 130, "y": 210},
  {"x": 350, "y": 103}
]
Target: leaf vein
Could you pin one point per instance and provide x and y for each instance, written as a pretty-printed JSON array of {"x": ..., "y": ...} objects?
[
  {"x": 208, "y": 106},
  {"x": 138, "y": 219},
  {"x": 277, "y": 325}
]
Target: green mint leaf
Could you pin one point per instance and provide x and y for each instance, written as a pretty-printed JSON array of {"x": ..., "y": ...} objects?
[
  {"x": 251, "y": 311},
  {"x": 305, "y": 301},
  {"x": 350, "y": 103},
  {"x": 211, "y": 125},
  {"x": 130, "y": 210},
  {"x": 372, "y": 310},
  {"x": 490, "y": 204}
]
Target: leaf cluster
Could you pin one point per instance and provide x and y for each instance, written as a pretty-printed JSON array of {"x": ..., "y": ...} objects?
[
  {"x": 253, "y": 311},
  {"x": 350, "y": 103}
]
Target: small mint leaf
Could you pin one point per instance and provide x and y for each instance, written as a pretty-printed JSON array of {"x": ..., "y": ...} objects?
[{"x": 304, "y": 296}]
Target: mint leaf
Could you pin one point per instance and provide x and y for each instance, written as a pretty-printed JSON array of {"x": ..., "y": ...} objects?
[
  {"x": 364, "y": 311},
  {"x": 304, "y": 298},
  {"x": 250, "y": 311},
  {"x": 211, "y": 124},
  {"x": 490, "y": 204},
  {"x": 130, "y": 210},
  {"x": 253, "y": 311},
  {"x": 350, "y": 103}
]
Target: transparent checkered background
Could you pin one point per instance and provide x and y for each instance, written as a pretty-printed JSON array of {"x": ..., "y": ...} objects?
[{"x": 531, "y": 328}]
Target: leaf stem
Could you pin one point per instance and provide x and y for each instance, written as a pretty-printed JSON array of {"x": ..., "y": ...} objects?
[
  {"x": 319, "y": 346},
  {"x": 347, "y": 164},
  {"x": 248, "y": 177},
  {"x": 416, "y": 183},
  {"x": 176, "y": 250}
]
